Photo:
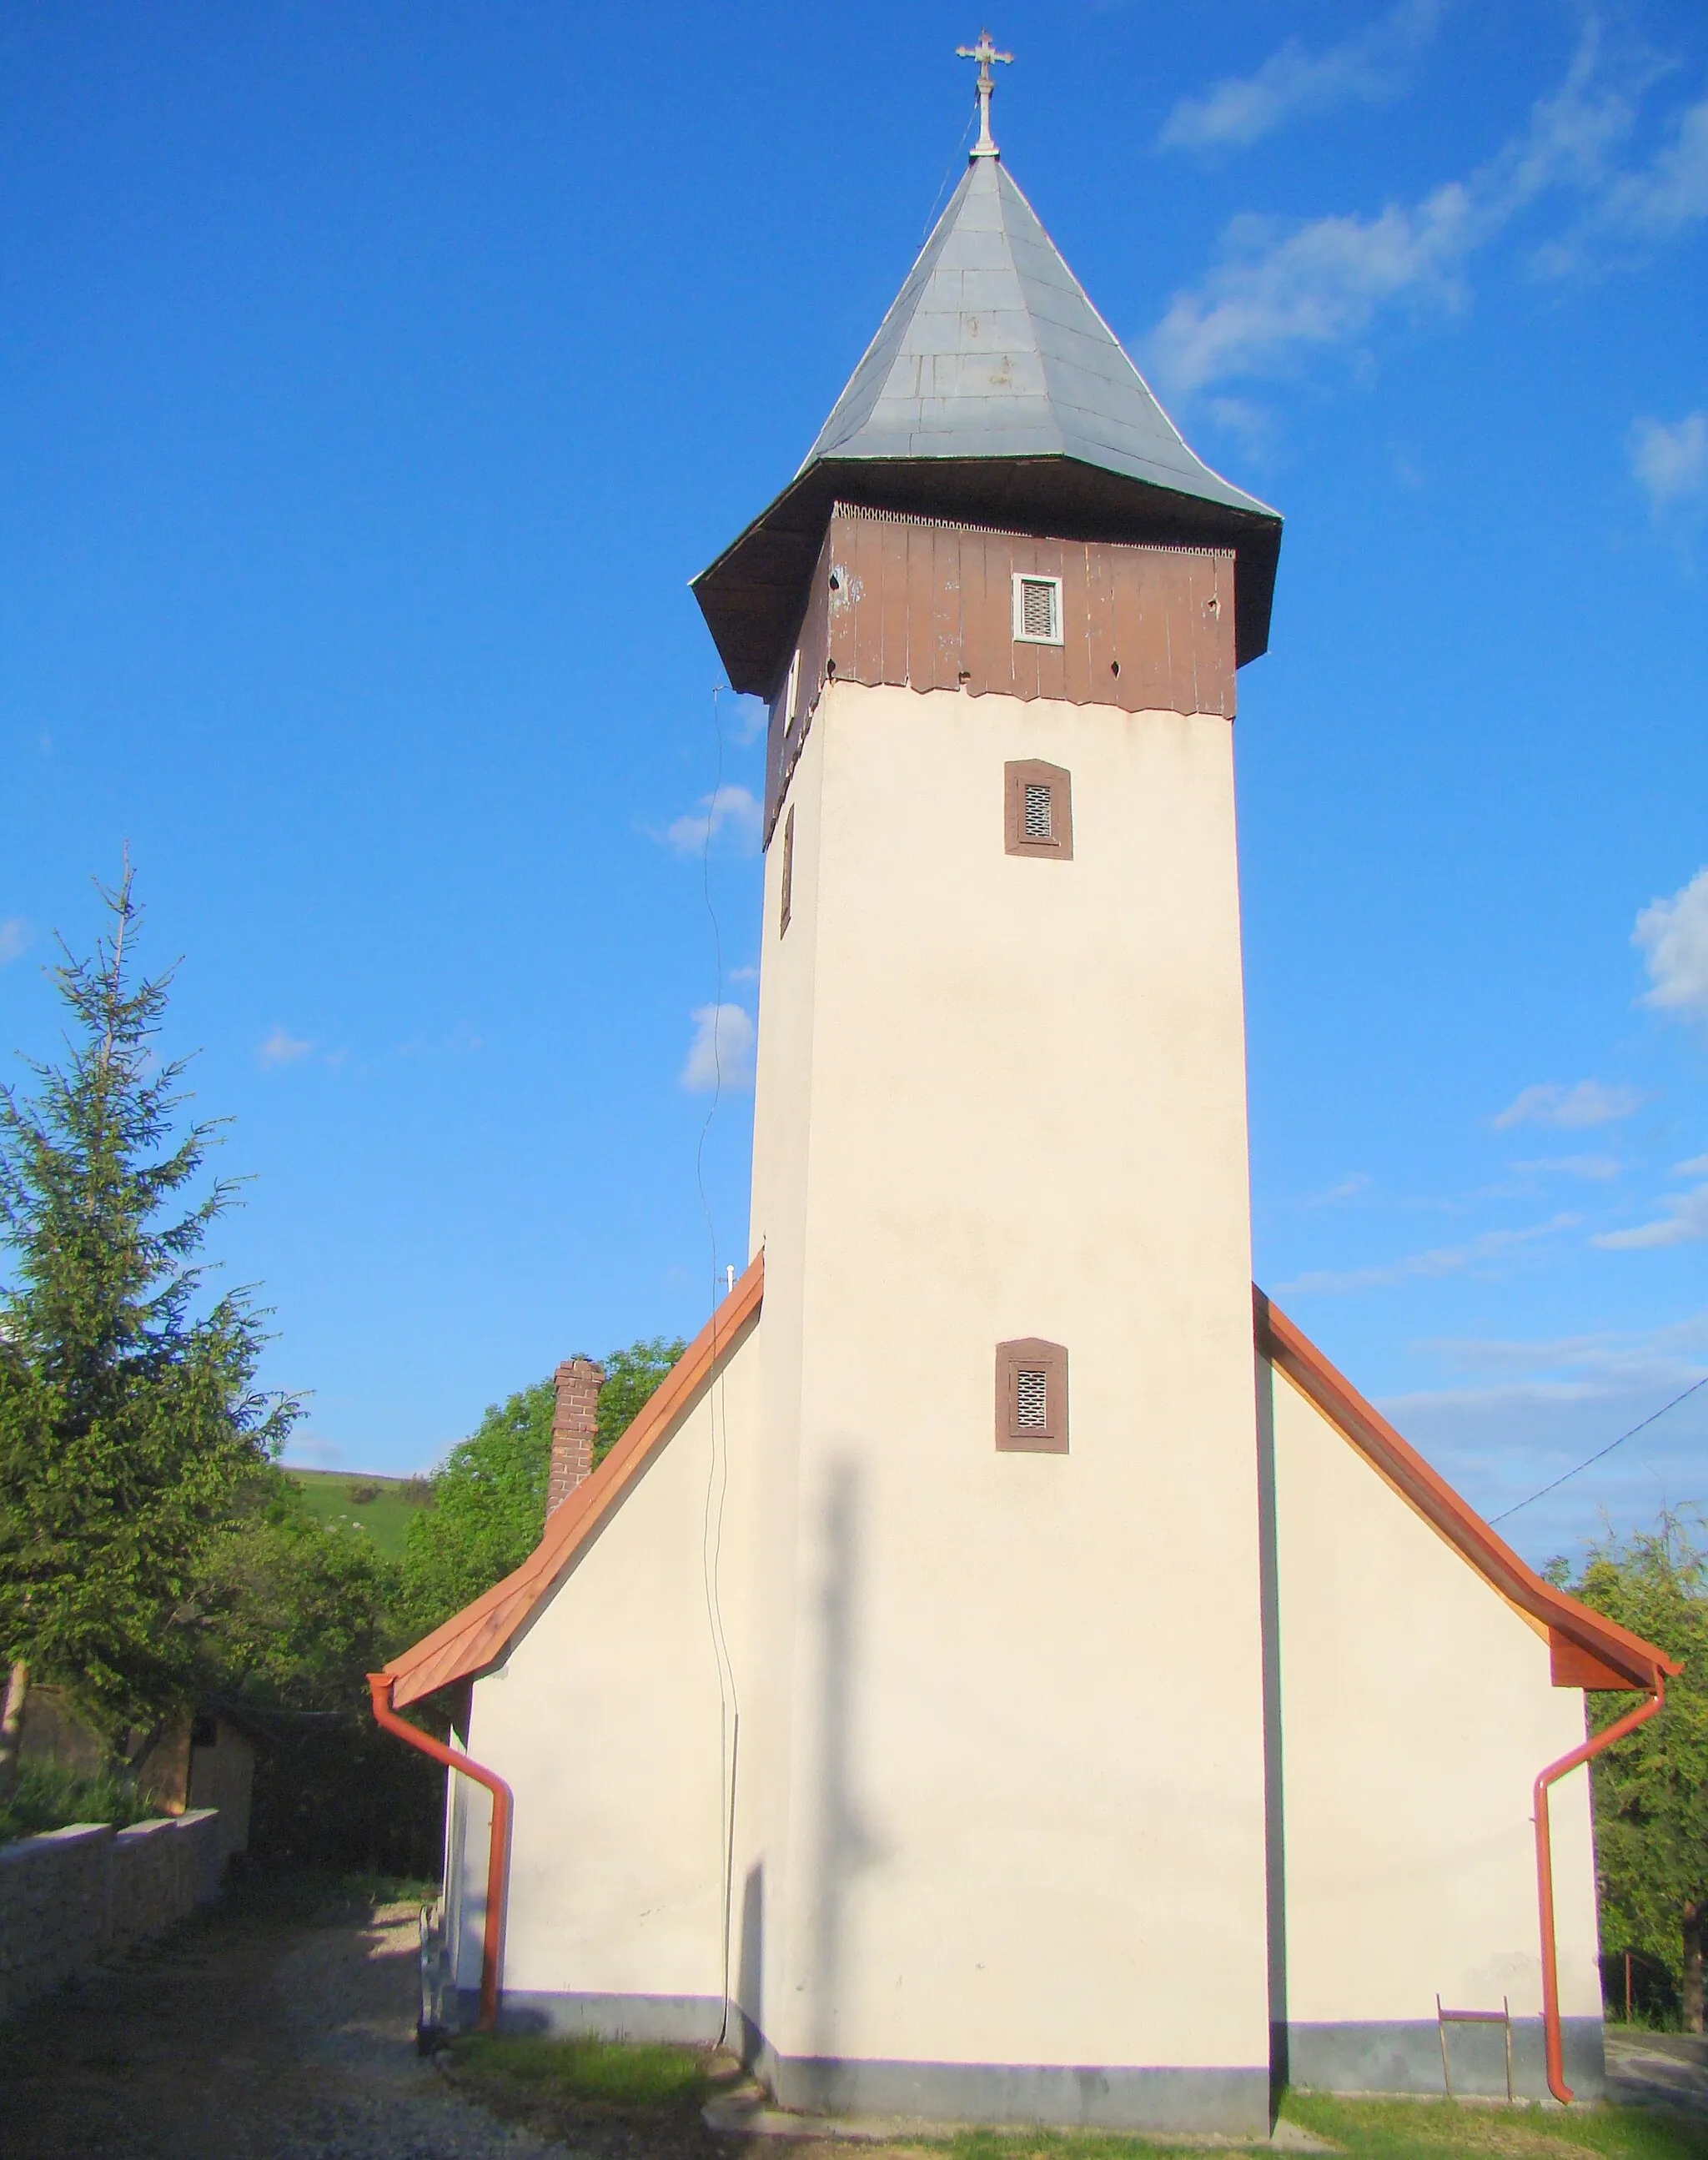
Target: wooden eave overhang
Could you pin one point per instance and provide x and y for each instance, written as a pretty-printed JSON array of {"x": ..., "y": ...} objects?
[
  {"x": 1586, "y": 1650},
  {"x": 754, "y": 595},
  {"x": 474, "y": 1640}
]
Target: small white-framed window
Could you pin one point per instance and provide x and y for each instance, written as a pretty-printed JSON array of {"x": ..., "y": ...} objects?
[{"x": 1037, "y": 610}]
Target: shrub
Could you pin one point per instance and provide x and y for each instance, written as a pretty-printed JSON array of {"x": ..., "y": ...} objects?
[{"x": 47, "y": 1797}]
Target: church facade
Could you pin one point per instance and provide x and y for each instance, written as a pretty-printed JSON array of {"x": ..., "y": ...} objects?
[{"x": 1006, "y": 1673}]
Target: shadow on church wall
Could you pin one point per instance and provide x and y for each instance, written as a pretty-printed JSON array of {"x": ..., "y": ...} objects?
[{"x": 845, "y": 1848}]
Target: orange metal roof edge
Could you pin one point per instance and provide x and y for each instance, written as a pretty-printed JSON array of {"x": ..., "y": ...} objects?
[
  {"x": 476, "y": 1637},
  {"x": 1435, "y": 1500}
]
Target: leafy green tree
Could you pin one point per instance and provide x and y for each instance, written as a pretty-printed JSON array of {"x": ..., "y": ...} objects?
[
  {"x": 631, "y": 1376},
  {"x": 129, "y": 1415},
  {"x": 489, "y": 1507},
  {"x": 294, "y": 1611},
  {"x": 1651, "y": 1790},
  {"x": 489, "y": 1495}
]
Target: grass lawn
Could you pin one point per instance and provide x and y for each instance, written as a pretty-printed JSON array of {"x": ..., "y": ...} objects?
[
  {"x": 383, "y": 1506},
  {"x": 1428, "y": 2129},
  {"x": 599, "y": 2097},
  {"x": 609, "y": 2098}
]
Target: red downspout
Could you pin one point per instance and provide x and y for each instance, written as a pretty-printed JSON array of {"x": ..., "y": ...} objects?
[
  {"x": 379, "y": 1685},
  {"x": 1544, "y": 1877}
]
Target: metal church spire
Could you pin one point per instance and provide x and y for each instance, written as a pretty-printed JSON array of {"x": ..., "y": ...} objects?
[
  {"x": 993, "y": 394},
  {"x": 983, "y": 52}
]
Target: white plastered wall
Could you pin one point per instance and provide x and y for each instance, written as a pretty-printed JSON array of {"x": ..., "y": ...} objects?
[
  {"x": 763, "y": 1519},
  {"x": 1019, "y": 1811},
  {"x": 1416, "y": 1709},
  {"x": 609, "y": 1722}
]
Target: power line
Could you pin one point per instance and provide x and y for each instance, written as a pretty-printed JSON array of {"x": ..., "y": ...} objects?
[{"x": 1600, "y": 1451}]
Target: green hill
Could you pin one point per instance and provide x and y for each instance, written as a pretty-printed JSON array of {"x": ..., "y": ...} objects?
[{"x": 383, "y": 1506}]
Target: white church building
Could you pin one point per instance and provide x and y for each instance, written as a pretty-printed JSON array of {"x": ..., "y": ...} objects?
[{"x": 1006, "y": 1673}]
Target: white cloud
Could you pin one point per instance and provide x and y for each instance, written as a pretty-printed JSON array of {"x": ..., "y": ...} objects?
[
  {"x": 1572, "y": 1165},
  {"x": 1440, "y": 1260},
  {"x": 14, "y": 935},
  {"x": 1348, "y": 1189},
  {"x": 721, "y": 1053},
  {"x": 1318, "y": 286},
  {"x": 281, "y": 1048},
  {"x": 1518, "y": 1413},
  {"x": 1661, "y": 1356},
  {"x": 731, "y": 809},
  {"x": 1697, "y": 1167},
  {"x": 1673, "y": 935},
  {"x": 1366, "y": 69},
  {"x": 748, "y": 719},
  {"x": 1670, "y": 192},
  {"x": 1686, "y": 1219},
  {"x": 1671, "y": 463},
  {"x": 1280, "y": 292},
  {"x": 1590, "y": 1103}
]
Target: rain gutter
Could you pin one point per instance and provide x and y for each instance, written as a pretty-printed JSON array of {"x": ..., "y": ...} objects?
[
  {"x": 1545, "y": 1875},
  {"x": 380, "y": 1686}
]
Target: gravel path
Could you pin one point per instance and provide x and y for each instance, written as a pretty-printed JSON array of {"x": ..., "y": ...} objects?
[
  {"x": 241, "y": 2039},
  {"x": 1668, "y": 2071},
  {"x": 246, "y": 2037}
]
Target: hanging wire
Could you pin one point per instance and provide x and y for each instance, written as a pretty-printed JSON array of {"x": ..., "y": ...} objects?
[
  {"x": 943, "y": 183},
  {"x": 718, "y": 1466},
  {"x": 1568, "y": 1474}
]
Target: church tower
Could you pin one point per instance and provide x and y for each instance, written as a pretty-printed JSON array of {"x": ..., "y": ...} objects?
[
  {"x": 1000, "y": 1846},
  {"x": 1005, "y": 1673}
]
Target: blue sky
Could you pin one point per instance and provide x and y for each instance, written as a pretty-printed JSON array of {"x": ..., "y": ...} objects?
[{"x": 372, "y": 379}]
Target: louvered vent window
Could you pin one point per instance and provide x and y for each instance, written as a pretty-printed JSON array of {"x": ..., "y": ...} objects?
[
  {"x": 1037, "y": 610},
  {"x": 1031, "y": 1398},
  {"x": 1038, "y": 810}
]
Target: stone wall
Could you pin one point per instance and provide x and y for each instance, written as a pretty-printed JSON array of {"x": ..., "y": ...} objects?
[{"x": 72, "y": 1897}]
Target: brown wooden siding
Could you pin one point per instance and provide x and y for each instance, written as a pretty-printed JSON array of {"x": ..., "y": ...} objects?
[{"x": 928, "y": 606}]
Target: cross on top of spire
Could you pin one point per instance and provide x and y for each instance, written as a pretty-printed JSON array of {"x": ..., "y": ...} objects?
[{"x": 983, "y": 52}]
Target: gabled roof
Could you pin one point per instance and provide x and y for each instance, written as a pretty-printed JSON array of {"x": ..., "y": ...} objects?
[
  {"x": 1588, "y": 1650},
  {"x": 479, "y": 1636},
  {"x": 994, "y": 393}
]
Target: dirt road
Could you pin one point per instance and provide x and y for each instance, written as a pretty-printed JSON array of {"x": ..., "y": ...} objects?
[{"x": 244, "y": 2038}]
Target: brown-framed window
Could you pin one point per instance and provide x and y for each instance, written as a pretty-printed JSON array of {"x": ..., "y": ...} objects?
[
  {"x": 788, "y": 871},
  {"x": 1037, "y": 809},
  {"x": 1031, "y": 1398}
]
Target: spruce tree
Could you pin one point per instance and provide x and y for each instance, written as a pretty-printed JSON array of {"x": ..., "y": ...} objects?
[{"x": 129, "y": 1415}]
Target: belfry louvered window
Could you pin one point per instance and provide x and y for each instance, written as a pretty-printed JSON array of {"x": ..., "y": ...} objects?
[
  {"x": 1037, "y": 610},
  {"x": 1031, "y": 1398},
  {"x": 1037, "y": 809}
]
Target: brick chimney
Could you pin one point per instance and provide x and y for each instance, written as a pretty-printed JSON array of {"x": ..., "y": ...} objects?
[{"x": 579, "y": 1383}]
